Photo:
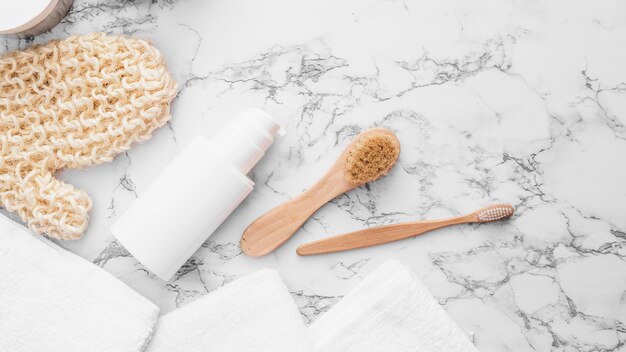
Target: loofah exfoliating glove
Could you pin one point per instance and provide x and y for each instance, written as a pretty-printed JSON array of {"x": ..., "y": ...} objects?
[{"x": 71, "y": 104}]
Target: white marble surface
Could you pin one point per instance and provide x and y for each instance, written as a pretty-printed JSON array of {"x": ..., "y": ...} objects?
[{"x": 492, "y": 100}]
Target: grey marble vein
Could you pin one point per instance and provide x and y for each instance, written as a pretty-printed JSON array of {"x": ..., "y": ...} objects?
[{"x": 493, "y": 101}]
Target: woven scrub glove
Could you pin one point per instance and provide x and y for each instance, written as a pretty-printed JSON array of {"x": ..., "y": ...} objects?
[{"x": 70, "y": 104}]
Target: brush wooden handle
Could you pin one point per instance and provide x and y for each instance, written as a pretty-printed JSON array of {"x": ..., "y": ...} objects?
[
  {"x": 378, "y": 235},
  {"x": 276, "y": 226}
]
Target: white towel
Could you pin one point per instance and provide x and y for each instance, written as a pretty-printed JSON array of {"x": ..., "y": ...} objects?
[
  {"x": 53, "y": 300},
  {"x": 391, "y": 310},
  {"x": 253, "y": 313}
]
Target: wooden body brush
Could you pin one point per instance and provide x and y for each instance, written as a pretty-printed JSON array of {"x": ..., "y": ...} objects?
[
  {"x": 389, "y": 233},
  {"x": 367, "y": 158}
]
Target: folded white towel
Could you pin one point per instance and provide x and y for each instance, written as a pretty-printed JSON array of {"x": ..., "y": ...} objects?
[
  {"x": 253, "y": 313},
  {"x": 53, "y": 300},
  {"x": 391, "y": 310}
]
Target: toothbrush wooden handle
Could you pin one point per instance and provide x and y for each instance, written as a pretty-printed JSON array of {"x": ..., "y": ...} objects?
[
  {"x": 276, "y": 226},
  {"x": 376, "y": 235}
]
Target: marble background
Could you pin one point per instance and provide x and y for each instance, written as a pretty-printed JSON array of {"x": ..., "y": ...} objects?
[{"x": 493, "y": 101}]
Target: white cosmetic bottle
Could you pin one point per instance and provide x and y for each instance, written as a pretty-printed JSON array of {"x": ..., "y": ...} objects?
[{"x": 195, "y": 193}]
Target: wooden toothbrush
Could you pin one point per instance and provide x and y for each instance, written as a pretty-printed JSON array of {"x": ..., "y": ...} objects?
[
  {"x": 388, "y": 233},
  {"x": 368, "y": 157}
]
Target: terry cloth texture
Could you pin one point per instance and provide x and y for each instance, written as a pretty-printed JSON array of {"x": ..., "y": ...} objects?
[
  {"x": 391, "y": 310},
  {"x": 53, "y": 300},
  {"x": 253, "y": 313}
]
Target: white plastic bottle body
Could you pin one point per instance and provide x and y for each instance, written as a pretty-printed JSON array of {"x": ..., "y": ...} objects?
[
  {"x": 194, "y": 194},
  {"x": 181, "y": 208}
]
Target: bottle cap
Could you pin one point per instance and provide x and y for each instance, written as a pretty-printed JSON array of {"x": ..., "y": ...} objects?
[{"x": 244, "y": 140}]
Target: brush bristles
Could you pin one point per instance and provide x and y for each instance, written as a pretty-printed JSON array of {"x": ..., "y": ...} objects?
[
  {"x": 371, "y": 158},
  {"x": 495, "y": 213}
]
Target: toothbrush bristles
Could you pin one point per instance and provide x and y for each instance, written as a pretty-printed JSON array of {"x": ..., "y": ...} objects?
[{"x": 495, "y": 213}]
